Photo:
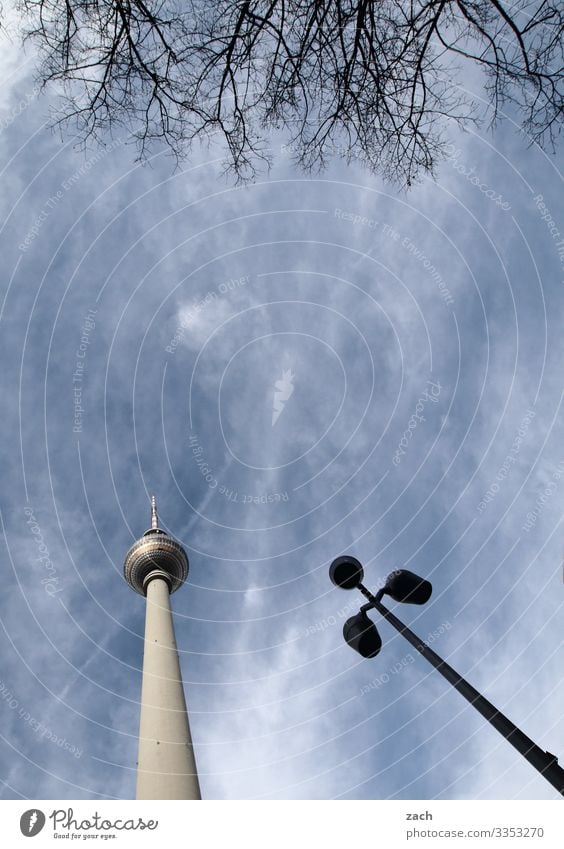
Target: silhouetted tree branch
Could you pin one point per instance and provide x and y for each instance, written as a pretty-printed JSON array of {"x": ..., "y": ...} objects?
[{"x": 373, "y": 80}]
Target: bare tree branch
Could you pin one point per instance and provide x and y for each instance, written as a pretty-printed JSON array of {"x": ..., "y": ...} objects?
[{"x": 373, "y": 80}]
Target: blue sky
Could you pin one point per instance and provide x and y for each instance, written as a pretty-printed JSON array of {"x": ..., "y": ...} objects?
[{"x": 416, "y": 343}]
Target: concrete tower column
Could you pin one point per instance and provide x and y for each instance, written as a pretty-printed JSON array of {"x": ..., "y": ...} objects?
[
  {"x": 156, "y": 566},
  {"x": 166, "y": 766}
]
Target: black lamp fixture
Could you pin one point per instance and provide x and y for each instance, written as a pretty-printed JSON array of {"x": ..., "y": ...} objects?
[
  {"x": 407, "y": 587},
  {"x": 361, "y": 634},
  {"x": 346, "y": 572}
]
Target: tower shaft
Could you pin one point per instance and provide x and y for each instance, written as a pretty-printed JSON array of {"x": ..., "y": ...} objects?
[{"x": 166, "y": 765}]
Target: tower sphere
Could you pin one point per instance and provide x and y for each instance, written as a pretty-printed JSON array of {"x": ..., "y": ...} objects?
[{"x": 155, "y": 554}]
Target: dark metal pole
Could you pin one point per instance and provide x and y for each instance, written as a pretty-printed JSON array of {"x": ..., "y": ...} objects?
[{"x": 544, "y": 762}]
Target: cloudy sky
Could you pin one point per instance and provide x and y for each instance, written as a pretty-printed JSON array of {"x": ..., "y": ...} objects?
[{"x": 297, "y": 368}]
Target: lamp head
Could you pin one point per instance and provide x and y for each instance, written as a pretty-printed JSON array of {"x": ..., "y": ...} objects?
[
  {"x": 405, "y": 586},
  {"x": 346, "y": 572},
  {"x": 361, "y": 634}
]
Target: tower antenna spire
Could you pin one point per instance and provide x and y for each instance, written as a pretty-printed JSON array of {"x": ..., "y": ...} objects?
[{"x": 154, "y": 517}]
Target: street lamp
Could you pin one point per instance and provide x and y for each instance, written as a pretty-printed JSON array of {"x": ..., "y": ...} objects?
[{"x": 361, "y": 634}]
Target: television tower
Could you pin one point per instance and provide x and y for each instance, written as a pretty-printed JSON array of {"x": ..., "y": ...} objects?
[{"x": 156, "y": 566}]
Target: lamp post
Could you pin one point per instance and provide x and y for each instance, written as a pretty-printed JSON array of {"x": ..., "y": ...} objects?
[{"x": 362, "y": 635}]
